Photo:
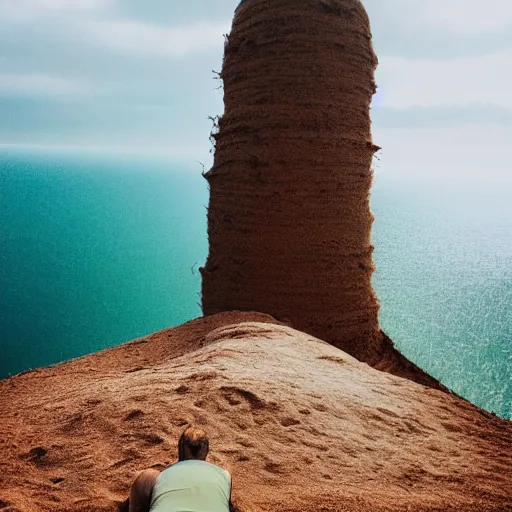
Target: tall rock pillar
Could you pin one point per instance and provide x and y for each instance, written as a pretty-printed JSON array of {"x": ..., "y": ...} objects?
[{"x": 289, "y": 218}]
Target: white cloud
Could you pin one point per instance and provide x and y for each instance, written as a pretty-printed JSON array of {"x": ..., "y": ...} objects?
[
  {"x": 7, "y": 6},
  {"x": 484, "y": 80},
  {"x": 39, "y": 85},
  {"x": 472, "y": 152},
  {"x": 467, "y": 16},
  {"x": 71, "y": 4},
  {"x": 23, "y": 11},
  {"x": 462, "y": 17},
  {"x": 146, "y": 39}
]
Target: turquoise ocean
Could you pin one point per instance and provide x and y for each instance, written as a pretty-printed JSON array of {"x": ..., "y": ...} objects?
[{"x": 98, "y": 250}]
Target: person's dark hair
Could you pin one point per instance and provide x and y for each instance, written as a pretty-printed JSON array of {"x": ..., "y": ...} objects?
[{"x": 193, "y": 444}]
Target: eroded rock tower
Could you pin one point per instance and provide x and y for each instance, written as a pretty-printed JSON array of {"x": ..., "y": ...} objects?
[{"x": 289, "y": 218}]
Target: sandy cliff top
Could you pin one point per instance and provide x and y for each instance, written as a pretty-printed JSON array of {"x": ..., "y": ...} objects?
[{"x": 302, "y": 425}]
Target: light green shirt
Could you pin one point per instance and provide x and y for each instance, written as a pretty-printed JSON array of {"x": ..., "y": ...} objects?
[{"x": 192, "y": 486}]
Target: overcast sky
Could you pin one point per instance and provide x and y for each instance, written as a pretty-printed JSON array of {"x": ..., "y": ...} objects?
[{"x": 137, "y": 74}]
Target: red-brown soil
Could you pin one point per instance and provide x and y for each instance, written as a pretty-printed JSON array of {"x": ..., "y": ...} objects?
[
  {"x": 302, "y": 425},
  {"x": 289, "y": 219}
]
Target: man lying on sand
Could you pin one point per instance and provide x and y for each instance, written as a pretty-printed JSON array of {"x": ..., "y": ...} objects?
[{"x": 192, "y": 484}]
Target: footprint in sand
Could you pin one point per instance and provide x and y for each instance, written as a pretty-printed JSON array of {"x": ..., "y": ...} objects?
[
  {"x": 36, "y": 455},
  {"x": 151, "y": 439},
  {"x": 246, "y": 443},
  {"x": 121, "y": 463},
  {"x": 273, "y": 467},
  {"x": 181, "y": 422},
  {"x": 132, "y": 415},
  {"x": 235, "y": 396},
  {"x": 289, "y": 422}
]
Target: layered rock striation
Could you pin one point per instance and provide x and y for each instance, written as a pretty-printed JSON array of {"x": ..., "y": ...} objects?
[{"x": 289, "y": 219}]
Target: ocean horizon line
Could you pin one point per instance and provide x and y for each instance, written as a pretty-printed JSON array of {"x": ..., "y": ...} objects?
[{"x": 164, "y": 152}]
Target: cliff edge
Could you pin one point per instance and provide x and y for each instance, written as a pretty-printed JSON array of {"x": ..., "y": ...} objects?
[{"x": 302, "y": 425}]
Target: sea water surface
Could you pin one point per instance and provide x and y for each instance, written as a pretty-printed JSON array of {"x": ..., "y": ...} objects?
[{"x": 96, "y": 250}]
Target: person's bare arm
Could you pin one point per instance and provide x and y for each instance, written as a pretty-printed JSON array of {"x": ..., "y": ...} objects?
[
  {"x": 141, "y": 491},
  {"x": 231, "y": 506}
]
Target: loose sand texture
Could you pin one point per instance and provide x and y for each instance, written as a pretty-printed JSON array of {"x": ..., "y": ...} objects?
[
  {"x": 289, "y": 219},
  {"x": 302, "y": 425}
]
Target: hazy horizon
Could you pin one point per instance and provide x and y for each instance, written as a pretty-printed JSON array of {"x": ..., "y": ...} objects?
[
  {"x": 91, "y": 88},
  {"x": 134, "y": 77}
]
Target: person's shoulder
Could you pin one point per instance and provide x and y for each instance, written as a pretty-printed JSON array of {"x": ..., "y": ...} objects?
[
  {"x": 201, "y": 465},
  {"x": 220, "y": 469},
  {"x": 227, "y": 474}
]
